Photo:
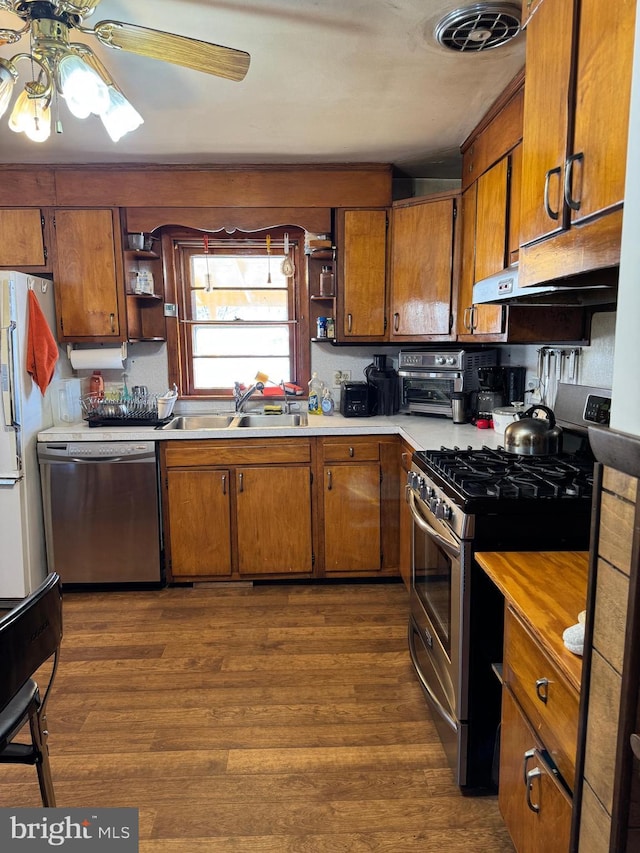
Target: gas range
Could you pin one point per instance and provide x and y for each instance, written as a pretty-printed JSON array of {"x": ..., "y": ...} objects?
[{"x": 489, "y": 479}]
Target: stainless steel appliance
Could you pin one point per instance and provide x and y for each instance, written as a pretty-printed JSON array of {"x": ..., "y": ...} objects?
[
  {"x": 429, "y": 377},
  {"x": 464, "y": 501},
  {"x": 101, "y": 511}
]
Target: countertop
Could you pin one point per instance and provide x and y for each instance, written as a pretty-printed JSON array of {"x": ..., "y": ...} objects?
[
  {"x": 547, "y": 589},
  {"x": 421, "y": 431}
]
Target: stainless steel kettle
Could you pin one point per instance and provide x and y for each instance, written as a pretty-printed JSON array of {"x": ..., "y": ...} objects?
[{"x": 534, "y": 436}]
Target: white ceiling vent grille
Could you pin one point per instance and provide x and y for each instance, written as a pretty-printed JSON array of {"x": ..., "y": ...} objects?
[{"x": 479, "y": 27}]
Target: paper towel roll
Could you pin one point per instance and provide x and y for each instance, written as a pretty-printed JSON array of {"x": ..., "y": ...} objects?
[{"x": 96, "y": 359}]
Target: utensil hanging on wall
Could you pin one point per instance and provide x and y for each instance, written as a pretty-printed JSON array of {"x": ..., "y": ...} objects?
[
  {"x": 268, "y": 258},
  {"x": 288, "y": 268}
]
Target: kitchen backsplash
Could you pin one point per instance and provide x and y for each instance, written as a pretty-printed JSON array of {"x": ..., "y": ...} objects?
[{"x": 147, "y": 362}]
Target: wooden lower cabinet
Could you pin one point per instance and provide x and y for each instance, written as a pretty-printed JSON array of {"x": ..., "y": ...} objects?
[
  {"x": 534, "y": 804},
  {"x": 199, "y": 520},
  {"x": 243, "y": 509}
]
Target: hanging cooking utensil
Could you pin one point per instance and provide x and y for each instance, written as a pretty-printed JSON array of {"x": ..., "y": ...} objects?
[
  {"x": 288, "y": 269},
  {"x": 268, "y": 258}
]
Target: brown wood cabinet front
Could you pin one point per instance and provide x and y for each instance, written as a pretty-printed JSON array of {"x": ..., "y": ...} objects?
[
  {"x": 423, "y": 267},
  {"x": 575, "y": 136},
  {"x": 22, "y": 242},
  {"x": 88, "y": 275},
  {"x": 535, "y": 806},
  {"x": 199, "y": 522},
  {"x": 274, "y": 520},
  {"x": 352, "y": 517},
  {"x": 362, "y": 280}
]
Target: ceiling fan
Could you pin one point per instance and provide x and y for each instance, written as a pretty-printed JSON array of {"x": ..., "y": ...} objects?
[{"x": 73, "y": 71}]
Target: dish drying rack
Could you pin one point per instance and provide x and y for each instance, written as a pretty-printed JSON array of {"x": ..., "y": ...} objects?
[{"x": 124, "y": 410}]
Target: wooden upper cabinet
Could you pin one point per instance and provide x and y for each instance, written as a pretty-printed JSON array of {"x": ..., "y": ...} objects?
[
  {"x": 575, "y": 137},
  {"x": 423, "y": 267},
  {"x": 491, "y": 220},
  {"x": 362, "y": 276},
  {"x": 88, "y": 275},
  {"x": 22, "y": 241}
]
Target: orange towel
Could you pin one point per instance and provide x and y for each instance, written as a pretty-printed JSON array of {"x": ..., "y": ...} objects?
[{"x": 42, "y": 349}]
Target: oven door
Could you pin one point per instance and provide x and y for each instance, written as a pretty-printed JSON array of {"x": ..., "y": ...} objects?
[
  {"x": 439, "y": 609},
  {"x": 429, "y": 392}
]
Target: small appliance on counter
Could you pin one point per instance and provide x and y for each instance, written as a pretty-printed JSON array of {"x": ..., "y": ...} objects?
[
  {"x": 384, "y": 387},
  {"x": 354, "y": 400},
  {"x": 429, "y": 378},
  {"x": 498, "y": 386}
]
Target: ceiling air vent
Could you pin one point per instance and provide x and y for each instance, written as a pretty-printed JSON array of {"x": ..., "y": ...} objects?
[{"x": 479, "y": 27}]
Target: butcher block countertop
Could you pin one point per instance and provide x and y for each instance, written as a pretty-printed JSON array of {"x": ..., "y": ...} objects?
[{"x": 547, "y": 590}]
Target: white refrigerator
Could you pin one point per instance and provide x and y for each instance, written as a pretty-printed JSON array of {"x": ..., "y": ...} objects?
[{"x": 23, "y": 413}]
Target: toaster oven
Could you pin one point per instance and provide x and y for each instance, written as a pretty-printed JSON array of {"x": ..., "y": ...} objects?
[{"x": 428, "y": 378}]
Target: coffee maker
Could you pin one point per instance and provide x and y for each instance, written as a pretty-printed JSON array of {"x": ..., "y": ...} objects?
[
  {"x": 384, "y": 387},
  {"x": 498, "y": 386}
]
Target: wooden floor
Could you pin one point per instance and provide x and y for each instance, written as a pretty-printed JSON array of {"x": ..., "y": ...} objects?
[{"x": 275, "y": 718}]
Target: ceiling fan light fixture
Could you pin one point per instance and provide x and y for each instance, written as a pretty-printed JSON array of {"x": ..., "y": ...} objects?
[
  {"x": 80, "y": 86},
  {"x": 31, "y": 115},
  {"x": 120, "y": 117}
]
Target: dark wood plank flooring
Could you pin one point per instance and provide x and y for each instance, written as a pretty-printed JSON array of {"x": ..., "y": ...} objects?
[{"x": 273, "y": 719}]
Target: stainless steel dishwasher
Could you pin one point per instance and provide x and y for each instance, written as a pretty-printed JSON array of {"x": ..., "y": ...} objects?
[{"x": 101, "y": 511}]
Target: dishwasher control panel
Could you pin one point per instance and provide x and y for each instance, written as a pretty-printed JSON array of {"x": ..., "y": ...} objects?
[{"x": 96, "y": 449}]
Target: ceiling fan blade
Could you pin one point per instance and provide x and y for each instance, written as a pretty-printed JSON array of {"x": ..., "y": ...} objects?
[{"x": 181, "y": 50}]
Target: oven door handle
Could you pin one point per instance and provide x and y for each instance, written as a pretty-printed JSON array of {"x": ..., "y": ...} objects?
[{"x": 451, "y": 548}]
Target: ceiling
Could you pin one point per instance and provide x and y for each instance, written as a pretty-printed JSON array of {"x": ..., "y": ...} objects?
[{"x": 331, "y": 81}]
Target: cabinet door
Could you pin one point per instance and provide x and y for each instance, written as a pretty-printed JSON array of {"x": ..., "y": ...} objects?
[
  {"x": 273, "y": 511},
  {"x": 603, "y": 87},
  {"x": 491, "y": 220},
  {"x": 362, "y": 248},
  {"x": 467, "y": 261},
  {"x": 546, "y": 119},
  {"x": 422, "y": 268},
  {"x": 21, "y": 238},
  {"x": 535, "y": 807},
  {"x": 352, "y": 517},
  {"x": 199, "y": 525},
  {"x": 88, "y": 275}
]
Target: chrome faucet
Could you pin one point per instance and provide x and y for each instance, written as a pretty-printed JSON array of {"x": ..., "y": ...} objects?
[{"x": 242, "y": 397}]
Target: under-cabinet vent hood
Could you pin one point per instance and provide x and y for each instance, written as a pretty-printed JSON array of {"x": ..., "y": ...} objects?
[{"x": 502, "y": 289}]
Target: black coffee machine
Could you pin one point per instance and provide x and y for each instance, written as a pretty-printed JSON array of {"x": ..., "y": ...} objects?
[
  {"x": 384, "y": 387},
  {"x": 499, "y": 386}
]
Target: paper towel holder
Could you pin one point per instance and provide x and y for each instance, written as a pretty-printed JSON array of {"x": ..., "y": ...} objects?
[{"x": 123, "y": 351}]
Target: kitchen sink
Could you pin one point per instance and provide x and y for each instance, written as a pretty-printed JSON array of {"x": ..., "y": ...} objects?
[
  {"x": 200, "y": 422},
  {"x": 260, "y": 421}
]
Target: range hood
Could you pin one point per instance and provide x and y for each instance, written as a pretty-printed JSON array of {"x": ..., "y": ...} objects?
[{"x": 502, "y": 289}]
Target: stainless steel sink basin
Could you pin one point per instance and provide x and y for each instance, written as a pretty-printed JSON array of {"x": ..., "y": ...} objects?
[
  {"x": 200, "y": 422},
  {"x": 261, "y": 421}
]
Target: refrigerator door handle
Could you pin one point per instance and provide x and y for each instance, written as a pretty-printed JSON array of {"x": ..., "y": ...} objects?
[
  {"x": 7, "y": 349},
  {"x": 10, "y": 478}
]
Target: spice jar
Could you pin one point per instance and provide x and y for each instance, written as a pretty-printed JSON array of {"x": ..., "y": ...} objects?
[{"x": 326, "y": 281}]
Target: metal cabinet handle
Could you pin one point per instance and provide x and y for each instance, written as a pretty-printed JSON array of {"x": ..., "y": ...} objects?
[
  {"x": 573, "y": 203},
  {"x": 635, "y": 744},
  {"x": 396, "y": 321},
  {"x": 552, "y": 214},
  {"x": 241, "y": 482},
  {"x": 465, "y": 319},
  {"x": 531, "y": 775},
  {"x": 542, "y": 689},
  {"x": 329, "y": 481},
  {"x": 529, "y": 754},
  {"x": 224, "y": 484},
  {"x": 112, "y": 320},
  {"x": 349, "y": 322},
  {"x": 474, "y": 317},
  {"x": 351, "y": 452}
]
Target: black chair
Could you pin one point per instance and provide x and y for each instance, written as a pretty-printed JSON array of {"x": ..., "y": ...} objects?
[{"x": 30, "y": 635}]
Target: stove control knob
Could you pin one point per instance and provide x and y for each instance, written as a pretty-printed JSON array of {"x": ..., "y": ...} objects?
[
  {"x": 451, "y": 360},
  {"x": 424, "y": 489},
  {"x": 434, "y": 505},
  {"x": 443, "y": 511},
  {"x": 440, "y": 359}
]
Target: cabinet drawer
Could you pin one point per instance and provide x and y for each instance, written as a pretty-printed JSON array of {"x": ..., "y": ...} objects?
[
  {"x": 222, "y": 452},
  {"x": 549, "y": 701},
  {"x": 350, "y": 450}
]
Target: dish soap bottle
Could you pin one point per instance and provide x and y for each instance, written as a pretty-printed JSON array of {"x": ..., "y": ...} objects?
[
  {"x": 96, "y": 385},
  {"x": 316, "y": 388},
  {"x": 326, "y": 403}
]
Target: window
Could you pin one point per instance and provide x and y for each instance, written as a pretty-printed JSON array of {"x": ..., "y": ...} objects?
[{"x": 238, "y": 313}]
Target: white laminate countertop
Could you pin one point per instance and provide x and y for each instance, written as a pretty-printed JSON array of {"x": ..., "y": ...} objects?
[{"x": 422, "y": 431}]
